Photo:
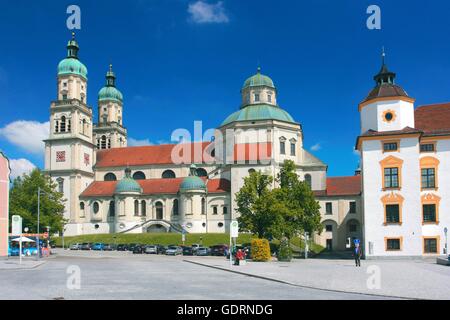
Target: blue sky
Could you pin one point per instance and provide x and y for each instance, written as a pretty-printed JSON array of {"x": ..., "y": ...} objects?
[{"x": 176, "y": 65}]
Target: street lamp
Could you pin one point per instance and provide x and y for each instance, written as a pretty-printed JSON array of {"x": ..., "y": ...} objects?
[
  {"x": 446, "y": 240},
  {"x": 38, "y": 217}
]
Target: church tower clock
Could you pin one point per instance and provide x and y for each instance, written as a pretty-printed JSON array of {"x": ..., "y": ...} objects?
[{"x": 69, "y": 151}]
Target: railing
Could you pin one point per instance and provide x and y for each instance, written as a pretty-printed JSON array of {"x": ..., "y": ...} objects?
[{"x": 172, "y": 226}]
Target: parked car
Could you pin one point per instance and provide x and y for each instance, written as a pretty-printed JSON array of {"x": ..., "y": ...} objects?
[
  {"x": 188, "y": 251},
  {"x": 122, "y": 247},
  {"x": 195, "y": 246},
  {"x": 29, "y": 251},
  {"x": 98, "y": 246},
  {"x": 75, "y": 246},
  {"x": 86, "y": 246},
  {"x": 174, "y": 250},
  {"x": 202, "y": 251},
  {"x": 139, "y": 249},
  {"x": 161, "y": 249},
  {"x": 151, "y": 249},
  {"x": 131, "y": 246},
  {"x": 219, "y": 250},
  {"x": 13, "y": 251},
  {"x": 109, "y": 247}
]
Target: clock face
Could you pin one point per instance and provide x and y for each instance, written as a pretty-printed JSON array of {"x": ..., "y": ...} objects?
[{"x": 389, "y": 115}]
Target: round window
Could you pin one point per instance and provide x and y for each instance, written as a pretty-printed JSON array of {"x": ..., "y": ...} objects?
[
  {"x": 220, "y": 224},
  {"x": 389, "y": 116},
  {"x": 204, "y": 224},
  {"x": 96, "y": 226},
  {"x": 189, "y": 225}
]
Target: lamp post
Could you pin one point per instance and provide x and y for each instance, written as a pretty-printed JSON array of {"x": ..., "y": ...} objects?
[
  {"x": 446, "y": 240},
  {"x": 38, "y": 245}
]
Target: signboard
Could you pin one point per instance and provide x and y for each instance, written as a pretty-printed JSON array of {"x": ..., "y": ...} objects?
[
  {"x": 16, "y": 225},
  {"x": 234, "y": 229}
]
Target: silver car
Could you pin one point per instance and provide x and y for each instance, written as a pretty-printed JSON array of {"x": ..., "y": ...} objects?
[
  {"x": 174, "y": 250},
  {"x": 151, "y": 249},
  {"x": 75, "y": 246}
]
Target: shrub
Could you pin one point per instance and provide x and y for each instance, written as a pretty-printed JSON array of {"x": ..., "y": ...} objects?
[
  {"x": 284, "y": 252},
  {"x": 260, "y": 250}
]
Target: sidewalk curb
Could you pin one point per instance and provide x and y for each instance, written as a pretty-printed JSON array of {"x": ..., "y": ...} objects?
[
  {"x": 301, "y": 286},
  {"x": 25, "y": 268}
]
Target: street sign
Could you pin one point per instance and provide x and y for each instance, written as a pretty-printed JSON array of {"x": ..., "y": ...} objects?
[
  {"x": 234, "y": 229},
  {"x": 16, "y": 227}
]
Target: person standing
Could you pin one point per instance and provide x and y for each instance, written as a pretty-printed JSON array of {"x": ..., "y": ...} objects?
[{"x": 357, "y": 253}]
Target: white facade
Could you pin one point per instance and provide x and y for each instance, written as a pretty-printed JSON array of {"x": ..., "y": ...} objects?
[{"x": 405, "y": 201}]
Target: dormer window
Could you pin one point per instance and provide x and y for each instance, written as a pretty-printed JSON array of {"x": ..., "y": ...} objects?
[
  {"x": 269, "y": 97},
  {"x": 256, "y": 97}
]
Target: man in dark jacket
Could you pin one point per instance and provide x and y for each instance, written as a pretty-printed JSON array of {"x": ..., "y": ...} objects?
[{"x": 357, "y": 253}]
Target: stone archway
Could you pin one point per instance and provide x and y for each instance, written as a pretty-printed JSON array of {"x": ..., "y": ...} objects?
[
  {"x": 330, "y": 235},
  {"x": 352, "y": 231},
  {"x": 157, "y": 228}
]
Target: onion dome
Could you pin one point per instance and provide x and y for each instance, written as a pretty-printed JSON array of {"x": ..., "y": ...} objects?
[
  {"x": 258, "y": 80},
  {"x": 72, "y": 65},
  {"x": 385, "y": 84},
  {"x": 128, "y": 184},
  {"x": 109, "y": 91},
  {"x": 192, "y": 182}
]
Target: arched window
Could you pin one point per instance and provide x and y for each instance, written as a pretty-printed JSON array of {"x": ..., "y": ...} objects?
[
  {"x": 143, "y": 208},
  {"x": 110, "y": 177},
  {"x": 60, "y": 182},
  {"x": 83, "y": 127},
  {"x": 175, "y": 207},
  {"x": 56, "y": 126},
  {"x": 136, "y": 207},
  {"x": 96, "y": 207},
  {"x": 282, "y": 145},
  {"x": 103, "y": 142},
  {"x": 308, "y": 180},
  {"x": 63, "y": 124},
  {"x": 138, "y": 175},
  {"x": 168, "y": 174},
  {"x": 81, "y": 206},
  {"x": 112, "y": 209},
  {"x": 201, "y": 172},
  {"x": 159, "y": 210},
  {"x": 203, "y": 206}
]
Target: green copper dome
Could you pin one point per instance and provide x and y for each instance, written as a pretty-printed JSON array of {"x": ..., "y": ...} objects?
[
  {"x": 256, "y": 112},
  {"x": 258, "y": 80},
  {"x": 193, "y": 182},
  {"x": 109, "y": 91},
  {"x": 128, "y": 184},
  {"x": 71, "y": 64}
]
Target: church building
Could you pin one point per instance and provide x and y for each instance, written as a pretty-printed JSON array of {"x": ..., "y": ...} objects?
[{"x": 110, "y": 187}]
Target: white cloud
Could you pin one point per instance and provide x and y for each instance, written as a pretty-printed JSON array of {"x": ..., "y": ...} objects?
[
  {"x": 316, "y": 147},
  {"x": 20, "y": 167},
  {"x": 27, "y": 135},
  {"x": 135, "y": 142},
  {"x": 202, "y": 12}
]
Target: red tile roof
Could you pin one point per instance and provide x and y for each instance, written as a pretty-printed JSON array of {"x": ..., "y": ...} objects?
[
  {"x": 162, "y": 154},
  {"x": 341, "y": 186},
  {"x": 433, "y": 119},
  {"x": 153, "y": 186},
  {"x": 145, "y": 155}
]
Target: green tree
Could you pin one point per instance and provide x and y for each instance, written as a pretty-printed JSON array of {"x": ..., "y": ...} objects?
[
  {"x": 254, "y": 203},
  {"x": 302, "y": 212},
  {"x": 24, "y": 202}
]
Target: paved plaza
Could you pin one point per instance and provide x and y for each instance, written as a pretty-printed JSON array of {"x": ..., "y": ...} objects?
[{"x": 122, "y": 275}]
